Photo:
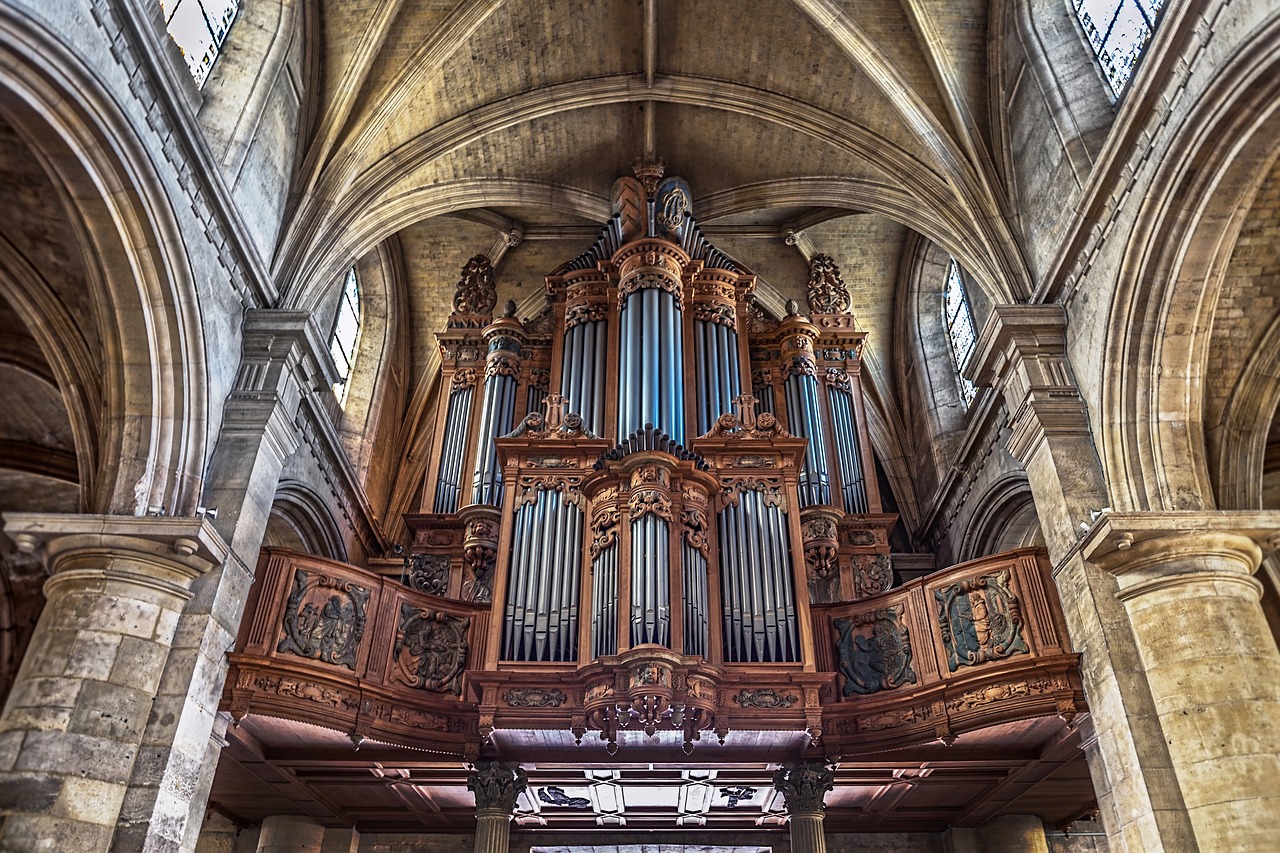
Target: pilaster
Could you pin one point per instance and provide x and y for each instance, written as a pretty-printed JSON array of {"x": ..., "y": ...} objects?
[
  {"x": 1185, "y": 579},
  {"x": 1022, "y": 353}
]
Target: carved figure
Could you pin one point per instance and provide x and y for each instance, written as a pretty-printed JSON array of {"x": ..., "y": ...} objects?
[
  {"x": 431, "y": 649},
  {"x": 553, "y": 796},
  {"x": 879, "y": 657},
  {"x": 324, "y": 619},
  {"x": 980, "y": 620}
]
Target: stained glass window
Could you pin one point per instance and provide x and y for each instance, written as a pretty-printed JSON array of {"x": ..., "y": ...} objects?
[
  {"x": 960, "y": 331},
  {"x": 346, "y": 332},
  {"x": 1118, "y": 31},
  {"x": 199, "y": 27}
]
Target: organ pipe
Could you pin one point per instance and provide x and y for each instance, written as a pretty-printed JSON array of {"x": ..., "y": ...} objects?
[
  {"x": 502, "y": 367},
  {"x": 844, "y": 429},
  {"x": 448, "y": 482}
]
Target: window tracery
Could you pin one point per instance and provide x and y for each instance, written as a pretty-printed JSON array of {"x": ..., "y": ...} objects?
[
  {"x": 346, "y": 332},
  {"x": 199, "y": 27},
  {"x": 960, "y": 330},
  {"x": 1118, "y": 31}
]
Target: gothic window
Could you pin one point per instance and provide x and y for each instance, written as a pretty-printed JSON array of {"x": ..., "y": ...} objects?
[
  {"x": 199, "y": 27},
  {"x": 1118, "y": 31},
  {"x": 960, "y": 331},
  {"x": 346, "y": 331}
]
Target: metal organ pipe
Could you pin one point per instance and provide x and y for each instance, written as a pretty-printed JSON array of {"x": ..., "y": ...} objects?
[
  {"x": 651, "y": 363},
  {"x": 505, "y": 337},
  {"x": 448, "y": 483},
  {"x": 844, "y": 427},
  {"x": 755, "y": 570},
  {"x": 542, "y": 593}
]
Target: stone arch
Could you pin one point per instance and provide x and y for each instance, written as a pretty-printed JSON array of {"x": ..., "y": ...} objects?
[
  {"x": 149, "y": 449},
  {"x": 300, "y": 521},
  {"x": 1162, "y": 316},
  {"x": 1003, "y": 518}
]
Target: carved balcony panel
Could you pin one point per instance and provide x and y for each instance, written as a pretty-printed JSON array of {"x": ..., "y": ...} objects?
[
  {"x": 337, "y": 646},
  {"x": 976, "y": 645}
]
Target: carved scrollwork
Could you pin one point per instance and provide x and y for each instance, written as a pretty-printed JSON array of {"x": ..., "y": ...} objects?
[
  {"x": 646, "y": 501},
  {"x": 540, "y": 379},
  {"x": 761, "y": 378},
  {"x": 799, "y": 365},
  {"x": 431, "y": 649},
  {"x": 872, "y": 574},
  {"x": 406, "y": 717},
  {"x": 769, "y": 487},
  {"x": 308, "y": 691},
  {"x": 566, "y": 485},
  {"x": 501, "y": 363},
  {"x": 874, "y": 651},
  {"x": 651, "y": 279},
  {"x": 759, "y": 321},
  {"x": 766, "y": 698},
  {"x": 465, "y": 378},
  {"x": 827, "y": 291},
  {"x": 535, "y": 697},
  {"x": 694, "y": 531},
  {"x": 324, "y": 619},
  {"x": 427, "y": 573},
  {"x": 585, "y": 312},
  {"x": 838, "y": 377},
  {"x": 980, "y": 620},
  {"x": 717, "y": 313},
  {"x": 604, "y": 529},
  {"x": 476, "y": 293}
]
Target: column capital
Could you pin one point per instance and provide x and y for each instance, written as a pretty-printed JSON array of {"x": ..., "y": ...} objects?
[
  {"x": 182, "y": 548},
  {"x": 496, "y": 784},
  {"x": 1151, "y": 550},
  {"x": 804, "y": 785}
]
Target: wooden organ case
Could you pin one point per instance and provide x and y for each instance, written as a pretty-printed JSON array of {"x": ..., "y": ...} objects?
[{"x": 653, "y": 517}]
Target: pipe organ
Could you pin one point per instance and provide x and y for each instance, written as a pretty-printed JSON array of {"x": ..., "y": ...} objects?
[
  {"x": 649, "y": 505},
  {"x": 671, "y": 528}
]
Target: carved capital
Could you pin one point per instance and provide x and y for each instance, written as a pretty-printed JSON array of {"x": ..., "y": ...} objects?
[
  {"x": 804, "y": 786},
  {"x": 497, "y": 784}
]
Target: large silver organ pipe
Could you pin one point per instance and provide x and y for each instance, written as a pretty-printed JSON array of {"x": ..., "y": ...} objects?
[
  {"x": 582, "y": 376},
  {"x": 650, "y": 512},
  {"x": 542, "y": 592},
  {"x": 696, "y": 607},
  {"x": 501, "y": 376},
  {"x": 844, "y": 428},
  {"x": 757, "y": 595},
  {"x": 651, "y": 352},
  {"x": 804, "y": 407},
  {"x": 717, "y": 373},
  {"x": 449, "y": 478}
]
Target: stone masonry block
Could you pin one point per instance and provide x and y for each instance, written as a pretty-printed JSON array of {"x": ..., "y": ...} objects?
[
  {"x": 93, "y": 655},
  {"x": 89, "y": 800},
  {"x": 140, "y": 663},
  {"x": 77, "y": 755},
  {"x": 110, "y": 711}
]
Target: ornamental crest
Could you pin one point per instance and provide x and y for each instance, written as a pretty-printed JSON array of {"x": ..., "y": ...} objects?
[
  {"x": 324, "y": 619},
  {"x": 476, "y": 293},
  {"x": 431, "y": 649},
  {"x": 827, "y": 291},
  {"x": 874, "y": 651},
  {"x": 980, "y": 620}
]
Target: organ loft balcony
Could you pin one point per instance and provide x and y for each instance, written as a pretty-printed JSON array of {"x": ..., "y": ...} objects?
[{"x": 652, "y": 536}]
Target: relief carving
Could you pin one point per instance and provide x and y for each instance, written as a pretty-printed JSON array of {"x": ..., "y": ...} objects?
[
  {"x": 804, "y": 785},
  {"x": 431, "y": 649},
  {"x": 324, "y": 619},
  {"x": 767, "y": 698},
  {"x": 872, "y": 574},
  {"x": 980, "y": 620},
  {"x": 874, "y": 652},
  {"x": 827, "y": 291},
  {"x": 476, "y": 293},
  {"x": 427, "y": 573},
  {"x": 695, "y": 529},
  {"x": 465, "y": 378},
  {"x": 604, "y": 527},
  {"x": 535, "y": 697}
]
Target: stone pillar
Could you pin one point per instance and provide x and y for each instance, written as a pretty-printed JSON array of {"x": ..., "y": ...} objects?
[
  {"x": 72, "y": 731},
  {"x": 804, "y": 786},
  {"x": 1211, "y": 662},
  {"x": 1022, "y": 354},
  {"x": 496, "y": 786},
  {"x": 290, "y": 834}
]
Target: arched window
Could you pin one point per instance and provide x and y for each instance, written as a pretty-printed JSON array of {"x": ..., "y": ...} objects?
[
  {"x": 960, "y": 329},
  {"x": 1118, "y": 31},
  {"x": 199, "y": 27},
  {"x": 346, "y": 332}
]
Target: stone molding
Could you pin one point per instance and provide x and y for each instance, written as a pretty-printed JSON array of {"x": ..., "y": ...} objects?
[
  {"x": 1153, "y": 550},
  {"x": 179, "y": 549}
]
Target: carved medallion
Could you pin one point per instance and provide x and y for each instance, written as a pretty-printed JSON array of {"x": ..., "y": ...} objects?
[
  {"x": 980, "y": 620},
  {"x": 872, "y": 574},
  {"x": 766, "y": 698},
  {"x": 874, "y": 652},
  {"x": 535, "y": 697},
  {"x": 324, "y": 619},
  {"x": 431, "y": 649},
  {"x": 427, "y": 573}
]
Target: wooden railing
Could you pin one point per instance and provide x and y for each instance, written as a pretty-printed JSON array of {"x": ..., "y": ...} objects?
[
  {"x": 975, "y": 645},
  {"x": 331, "y": 644}
]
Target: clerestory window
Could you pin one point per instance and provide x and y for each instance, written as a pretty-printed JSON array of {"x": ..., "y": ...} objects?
[
  {"x": 346, "y": 333},
  {"x": 1118, "y": 31},
  {"x": 960, "y": 332},
  {"x": 199, "y": 27}
]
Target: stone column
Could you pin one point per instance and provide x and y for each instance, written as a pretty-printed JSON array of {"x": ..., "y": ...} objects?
[
  {"x": 1022, "y": 353},
  {"x": 804, "y": 786},
  {"x": 72, "y": 730},
  {"x": 1211, "y": 662},
  {"x": 290, "y": 834},
  {"x": 496, "y": 786}
]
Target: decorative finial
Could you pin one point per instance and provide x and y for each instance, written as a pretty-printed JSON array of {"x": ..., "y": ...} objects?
[
  {"x": 793, "y": 308},
  {"x": 649, "y": 170},
  {"x": 509, "y": 309}
]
